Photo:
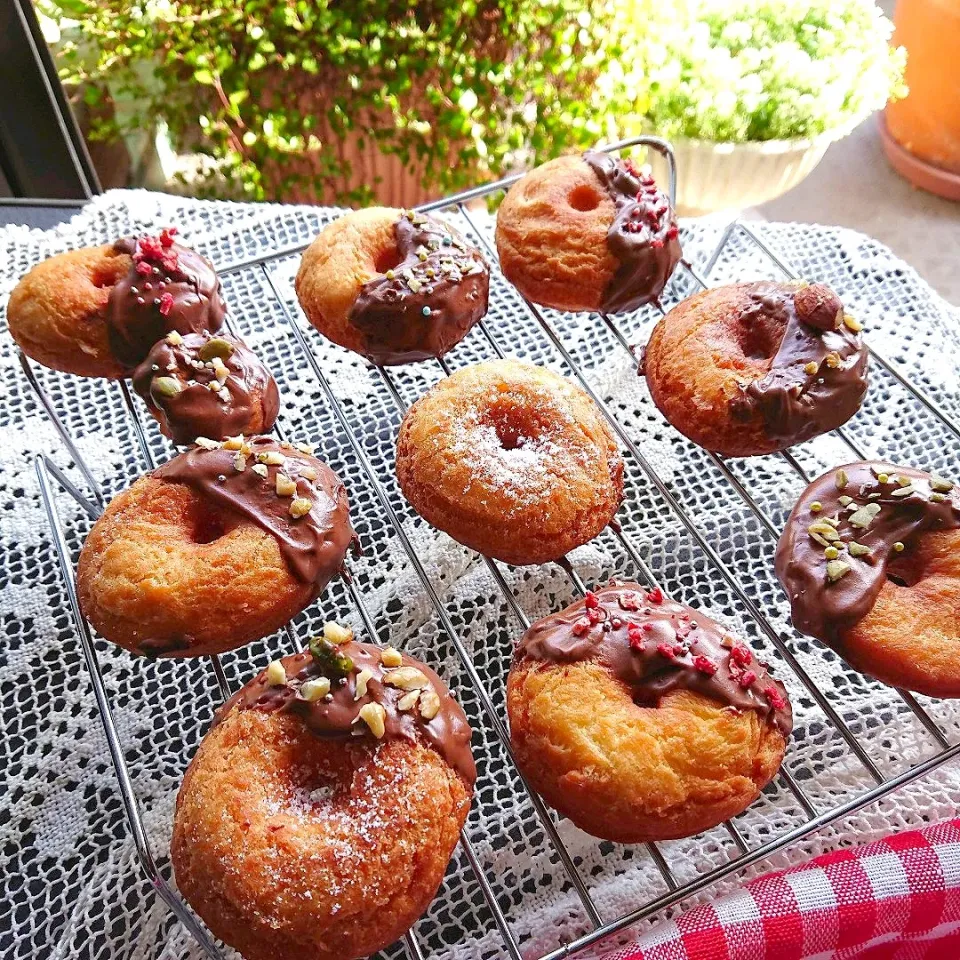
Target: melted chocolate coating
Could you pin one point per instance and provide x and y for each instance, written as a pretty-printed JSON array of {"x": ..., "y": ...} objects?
[
  {"x": 169, "y": 287},
  {"x": 643, "y": 235},
  {"x": 654, "y": 646},
  {"x": 313, "y": 545},
  {"x": 196, "y": 410},
  {"x": 822, "y": 607},
  {"x": 338, "y": 715},
  {"x": 427, "y": 303},
  {"x": 796, "y": 405}
]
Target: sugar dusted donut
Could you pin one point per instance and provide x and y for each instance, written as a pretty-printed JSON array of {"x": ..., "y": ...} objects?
[
  {"x": 222, "y": 545},
  {"x": 315, "y": 824},
  {"x": 394, "y": 286},
  {"x": 588, "y": 232},
  {"x": 870, "y": 561},
  {"x": 510, "y": 460},
  {"x": 200, "y": 385},
  {"x": 98, "y": 311},
  {"x": 751, "y": 368},
  {"x": 642, "y": 719}
]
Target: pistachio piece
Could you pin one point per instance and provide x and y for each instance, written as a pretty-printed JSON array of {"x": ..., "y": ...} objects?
[
  {"x": 363, "y": 678},
  {"x": 863, "y": 517},
  {"x": 285, "y": 486},
  {"x": 308, "y": 473},
  {"x": 165, "y": 387},
  {"x": 937, "y": 498},
  {"x": 276, "y": 674},
  {"x": 315, "y": 689},
  {"x": 904, "y": 481},
  {"x": 845, "y": 501},
  {"x": 330, "y": 657},
  {"x": 857, "y": 549},
  {"x": 337, "y": 633},
  {"x": 300, "y": 507},
  {"x": 840, "y": 479},
  {"x": 831, "y": 553},
  {"x": 374, "y": 716},
  {"x": 406, "y": 678},
  {"x": 429, "y": 704},
  {"x": 902, "y": 492},
  {"x": 215, "y": 347},
  {"x": 390, "y": 657},
  {"x": 837, "y": 569},
  {"x": 941, "y": 485}
]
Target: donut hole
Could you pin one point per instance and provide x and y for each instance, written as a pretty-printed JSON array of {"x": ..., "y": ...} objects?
[
  {"x": 905, "y": 570},
  {"x": 758, "y": 337},
  {"x": 515, "y": 428},
  {"x": 584, "y": 198},
  {"x": 387, "y": 259},
  {"x": 208, "y": 526}
]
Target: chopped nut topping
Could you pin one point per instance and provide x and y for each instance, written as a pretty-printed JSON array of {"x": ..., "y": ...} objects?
[
  {"x": 883, "y": 477},
  {"x": 837, "y": 569},
  {"x": 315, "y": 689},
  {"x": 865, "y": 515},
  {"x": 902, "y": 492},
  {"x": 840, "y": 479},
  {"x": 857, "y": 549},
  {"x": 845, "y": 501},
  {"x": 276, "y": 674},
  {"x": 337, "y": 633},
  {"x": 308, "y": 473},
  {"x": 904, "y": 481},
  {"x": 174, "y": 338},
  {"x": 831, "y": 553},
  {"x": 823, "y": 532},
  {"x": 363, "y": 678},
  {"x": 429, "y": 704},
  {"x": 239, "y": 462},
  {"x": 833, "y": 360},
  {"x": 941, "y": 485},
  {"x": 406, "y": 678},
  {"x": 206, "y": 443},
  {"x": 166, "y": 386},
  {"x": 852, "y": 323},
  {"x": 374, "y": 716},
  {"x": 272, "y": 457},
  {"x": 285, "y": 486},
  {"x": 390, "y": 657},
  {"x": 408, "y": 701},
  {"x": 233, "y": 443},
  {"x": 937, "y": 498},
  {"x": 304, "y": 447},
  {"x": 300, "y": 507},
  {"x": 811, "y": 368},
  {"x": 216, "y": 348},
  {"x": 221, "y": 372},
  {"x": 260, "y": 470}
]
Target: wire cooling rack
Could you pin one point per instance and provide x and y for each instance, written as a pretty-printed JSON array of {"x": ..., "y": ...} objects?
[{"x": 495, "y": 898}]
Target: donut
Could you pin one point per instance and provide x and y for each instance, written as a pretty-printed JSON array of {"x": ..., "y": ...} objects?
[
  {"x": 510, "y": 460},
  {"x": 641, "y": 719},
  {"x": 870, "y": 562},
  {"x": 221, "y": 545},
  {"x": 97, "y": 311},
  {"x": 751, "y": 368},
  {"x": 319, "y": 824},
  {"x": 394, "y": 286},
  {"x": 200, "y": 385},
  {"x": 589, "y": 232}
]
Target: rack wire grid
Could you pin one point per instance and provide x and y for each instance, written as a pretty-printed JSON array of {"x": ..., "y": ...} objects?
[{"x": 343, "y": 433}]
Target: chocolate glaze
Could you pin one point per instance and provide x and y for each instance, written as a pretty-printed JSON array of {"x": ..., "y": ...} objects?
[
  {"x": 643, "y": 236},
  {"x": 313, "y": 545},
  {"x": 198, "y": 411},
  {"x": 427, "y": 303},
  {"x": 655, "y": 646},
  {"x": 825, "y": 608},
  {"x": 338, "y": 717},
  {"x": 169, "y": 287},
  {"x": 796, "y": 405}
]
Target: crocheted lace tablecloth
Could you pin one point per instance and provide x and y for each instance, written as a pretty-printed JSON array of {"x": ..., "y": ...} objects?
[{"x": 72, "y": 885}]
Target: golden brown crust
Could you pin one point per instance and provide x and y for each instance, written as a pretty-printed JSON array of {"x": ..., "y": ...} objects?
[
  {"x": 911, "y": 637},
  {"x": 56, "y": 312},
  {"x": 347, "y": 253},
  {"x": 695, "y": 362},
  {"x": 291, "y": 846},
  {"x": 143, "y": 575},
  {"x": 552, "y": 236},
  {"x": 629, "y": 773},
  {"x": 510, "y": 460}
]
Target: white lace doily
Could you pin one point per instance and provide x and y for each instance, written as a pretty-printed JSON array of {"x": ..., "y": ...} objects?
[{"x": 71, "y": 881}]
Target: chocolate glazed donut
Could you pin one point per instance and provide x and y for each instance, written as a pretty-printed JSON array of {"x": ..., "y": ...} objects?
[{"x": 869, "y": 562}]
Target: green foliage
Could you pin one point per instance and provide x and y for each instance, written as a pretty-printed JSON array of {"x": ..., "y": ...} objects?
[
  {"x": 751, "y": 69},
  {"x": 269, "y": 88}
]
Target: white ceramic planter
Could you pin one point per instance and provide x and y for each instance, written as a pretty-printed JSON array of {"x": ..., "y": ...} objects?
[{"x": 719, "y": 176}]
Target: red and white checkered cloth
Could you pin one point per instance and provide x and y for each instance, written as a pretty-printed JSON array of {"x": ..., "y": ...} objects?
[{"x": 896, "y": 899}]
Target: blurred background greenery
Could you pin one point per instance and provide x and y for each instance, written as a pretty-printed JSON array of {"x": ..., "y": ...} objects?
[{"x": 355, "y": 102}]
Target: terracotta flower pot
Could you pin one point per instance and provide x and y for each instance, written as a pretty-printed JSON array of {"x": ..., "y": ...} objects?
[{"x": 922, "y": 131}]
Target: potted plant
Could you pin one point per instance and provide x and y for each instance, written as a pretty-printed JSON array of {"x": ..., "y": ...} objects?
[
  {"x": 751, "y": 94},
  {"x": 339, "y": 102}
]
